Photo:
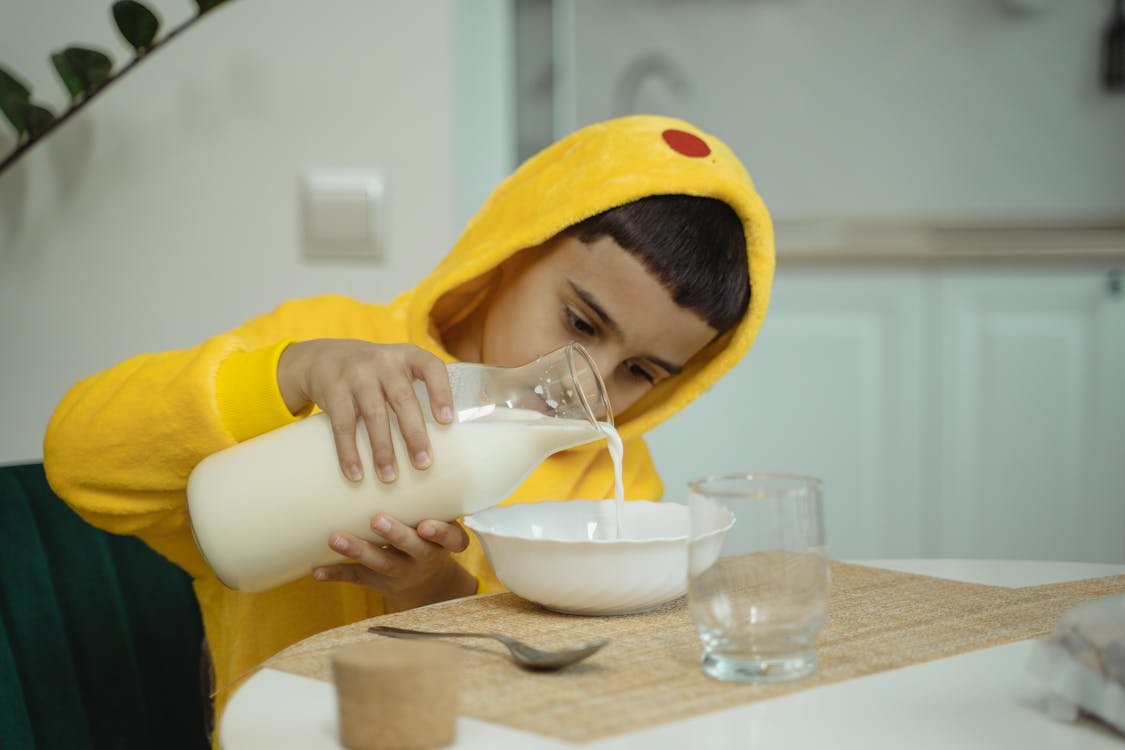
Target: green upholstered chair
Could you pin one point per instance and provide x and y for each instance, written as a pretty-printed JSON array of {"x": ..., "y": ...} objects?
[{"x": 100, "y": 637}]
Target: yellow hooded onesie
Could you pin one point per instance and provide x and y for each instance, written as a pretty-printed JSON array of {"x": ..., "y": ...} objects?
[{"x": 121, "y": 444}]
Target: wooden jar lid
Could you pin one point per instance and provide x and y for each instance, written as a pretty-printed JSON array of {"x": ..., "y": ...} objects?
[{"x": 396, "y": 695}]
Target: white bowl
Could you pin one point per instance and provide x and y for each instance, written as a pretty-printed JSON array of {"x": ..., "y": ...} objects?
[{"x": 565, "y": 554}]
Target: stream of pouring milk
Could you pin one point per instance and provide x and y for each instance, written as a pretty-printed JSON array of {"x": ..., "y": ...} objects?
[{"x": 617, "y": 453}]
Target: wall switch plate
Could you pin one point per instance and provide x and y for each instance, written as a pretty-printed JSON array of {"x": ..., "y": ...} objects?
[{"x": 343, "y": 213}]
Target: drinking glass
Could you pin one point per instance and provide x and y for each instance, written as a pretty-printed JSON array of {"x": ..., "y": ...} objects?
[{"x": 758, "y": 574}]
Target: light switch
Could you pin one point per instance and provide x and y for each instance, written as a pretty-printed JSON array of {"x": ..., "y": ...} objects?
[{"x": 343, "y": 214}]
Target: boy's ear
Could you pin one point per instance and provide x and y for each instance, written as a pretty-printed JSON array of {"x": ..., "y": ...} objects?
[{"x": 457, "y": 304}]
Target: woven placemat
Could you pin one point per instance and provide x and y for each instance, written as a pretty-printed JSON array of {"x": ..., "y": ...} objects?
[{"x": 877, "y": 620}]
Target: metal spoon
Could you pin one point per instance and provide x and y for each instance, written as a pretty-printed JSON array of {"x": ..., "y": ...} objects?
[{"x": 522, "y": 654}]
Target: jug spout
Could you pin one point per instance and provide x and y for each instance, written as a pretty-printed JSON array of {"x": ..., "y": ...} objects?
[
  {"x": 564, "y": 384},
  {"x": 569, "y": 386}
]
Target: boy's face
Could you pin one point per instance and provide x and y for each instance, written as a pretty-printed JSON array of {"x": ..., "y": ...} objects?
[{"x": 601, "y": 296}]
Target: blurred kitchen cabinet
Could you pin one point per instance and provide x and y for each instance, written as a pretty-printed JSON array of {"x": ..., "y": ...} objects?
[
  {"x": 831, "y": 388},
  {"x": 952, "y": 410},
  {"x": 1029, "y": 413}
]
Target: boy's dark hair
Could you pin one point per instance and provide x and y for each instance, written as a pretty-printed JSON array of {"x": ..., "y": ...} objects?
[{"x": 695, "y": 247}]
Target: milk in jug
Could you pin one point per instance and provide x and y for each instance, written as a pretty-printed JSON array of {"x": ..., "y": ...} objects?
[{"x": 262, "y": 510}]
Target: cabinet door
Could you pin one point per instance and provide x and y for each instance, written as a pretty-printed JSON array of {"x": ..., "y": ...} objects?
[
  {"x": 831, "y": 388},
  {"x": 1030, "y": 410}
]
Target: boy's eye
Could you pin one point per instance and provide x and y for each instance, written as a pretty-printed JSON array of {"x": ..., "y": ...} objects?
[
  {"x": 639, "y": 372},
  {"x": 579, "y": 324}
]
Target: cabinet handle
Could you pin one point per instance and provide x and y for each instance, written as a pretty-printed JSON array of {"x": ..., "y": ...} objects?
[{"x": 1113, "y": 283}]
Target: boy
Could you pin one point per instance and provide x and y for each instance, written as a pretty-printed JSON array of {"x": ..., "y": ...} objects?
[{"x": 642, "y": 238}]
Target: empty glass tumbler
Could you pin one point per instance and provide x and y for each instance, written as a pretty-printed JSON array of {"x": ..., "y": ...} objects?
[{"x": 758, "y": 574}]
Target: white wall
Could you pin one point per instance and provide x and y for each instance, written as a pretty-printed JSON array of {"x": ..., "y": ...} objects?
[
  {"x": 871, "y": 109},
  {"x": 167, "y": 210}
]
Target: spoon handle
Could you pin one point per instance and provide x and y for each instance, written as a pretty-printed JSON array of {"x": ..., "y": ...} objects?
[{"x": 404, "y": 633}]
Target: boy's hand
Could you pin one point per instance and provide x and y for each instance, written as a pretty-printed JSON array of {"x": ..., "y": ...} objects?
[
  {"x": 416, "y": 568},
  {"x": 352, "y": 380}
]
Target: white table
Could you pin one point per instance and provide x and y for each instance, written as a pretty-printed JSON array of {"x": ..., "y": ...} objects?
[{"x": 982, "y": 699}]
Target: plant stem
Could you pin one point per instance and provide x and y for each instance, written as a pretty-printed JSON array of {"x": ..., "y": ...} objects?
[{"x": 74, "y": 108}]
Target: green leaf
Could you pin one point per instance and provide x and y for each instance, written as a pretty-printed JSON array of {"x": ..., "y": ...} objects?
[
  {"x": 92, "y": 66},
  {"x": 82, "y": 70},
  {"x": 68, "y": 75},
  {"x": 27, "y": 118},
  {"x": 206, "y": 5},
  {"x": 16, "y": 108},
  {"x": 38, "y": 120},
  {"x": 15, "y": 98},
  {"x": 136, "y": 23},
  {"x": 12, "y": 86}
]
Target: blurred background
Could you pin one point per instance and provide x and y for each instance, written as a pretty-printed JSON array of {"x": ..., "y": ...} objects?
[{"x": 946, "y": 342}]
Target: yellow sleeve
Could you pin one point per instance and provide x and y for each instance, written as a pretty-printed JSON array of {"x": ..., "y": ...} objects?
[
  {"x": 122, "y": 442},
  {"x": 247, "y": 393}
]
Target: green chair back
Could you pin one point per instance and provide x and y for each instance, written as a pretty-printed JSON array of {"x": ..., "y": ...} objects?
[{"x": 100, "y": 636}]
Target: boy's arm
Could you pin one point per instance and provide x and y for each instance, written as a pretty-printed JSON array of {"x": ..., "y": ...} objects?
[{"x": 122, "y": 442}]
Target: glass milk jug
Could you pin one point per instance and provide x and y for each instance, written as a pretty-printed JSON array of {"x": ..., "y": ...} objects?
[{"x": 262, "y": 510}]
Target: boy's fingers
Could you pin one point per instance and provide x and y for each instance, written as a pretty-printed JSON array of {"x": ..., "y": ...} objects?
[
  {"x": 343, "y": 433},
  {"x": 411, "y": 424},
  {"x": 378, "y": 424},
  {"x": 450, "y": 536},
  {"x": 436, "y": 377},
  {"x": 351, "y": 573},
  {"x": 384, "y": 561},
  {"x": 405, "y": 544}
]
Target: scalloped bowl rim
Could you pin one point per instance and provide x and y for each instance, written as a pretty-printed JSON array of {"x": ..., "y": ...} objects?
[
  {"x": 479, "y": 522},
  {"x": 629, "y": 575}
]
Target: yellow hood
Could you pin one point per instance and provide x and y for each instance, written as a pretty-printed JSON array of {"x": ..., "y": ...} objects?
[{"x": 592, "y": 170}]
